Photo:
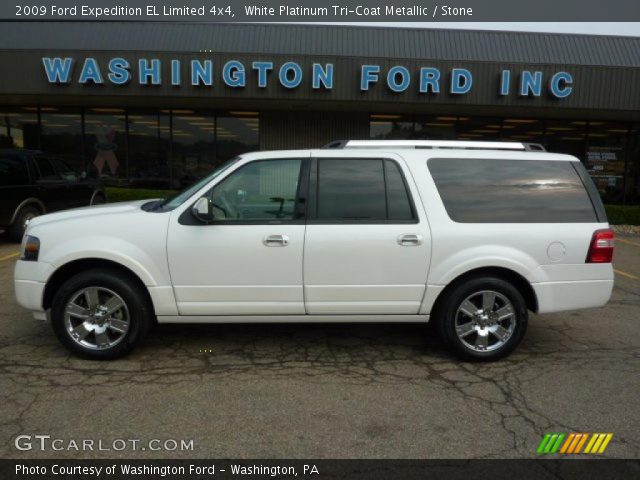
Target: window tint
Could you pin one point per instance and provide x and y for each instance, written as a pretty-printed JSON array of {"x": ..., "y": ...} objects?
[
  {"x": 261, "y": 190},
  {"x": 63, "y": 170},
  {"x": 397, "y": 195},
  {"x": 361, "y": 190},
  {"x": 45, "y": 168},
  {"x": 511, "y": 191},
  {"x": 13, "y": 171}
]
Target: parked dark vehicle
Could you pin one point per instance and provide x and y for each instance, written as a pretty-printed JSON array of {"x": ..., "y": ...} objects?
[{"x": 33, "y": 183}]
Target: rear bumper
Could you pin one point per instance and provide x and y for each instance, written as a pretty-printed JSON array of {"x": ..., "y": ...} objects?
[{"x": 574, "y": 295}]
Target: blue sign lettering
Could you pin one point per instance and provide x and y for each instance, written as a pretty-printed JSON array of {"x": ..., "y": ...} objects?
[
  {"x": 233, "y": 74},
  {"x": 58, "y": 70},
  {"x": 322, "y": 76},
  {"x": 559, "y": 85},
  {"x": 461, "y": 81},
  {"x": 285, "y": 79},
  {"x": 392, "y": 79},
  {"x": 368, "y": 76},
  {"x": 429, "y": 80},
  {"x": 530, "y": 83}
]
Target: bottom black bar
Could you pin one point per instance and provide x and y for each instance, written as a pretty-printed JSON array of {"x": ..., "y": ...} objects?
[{"x": 320, "y": 469}]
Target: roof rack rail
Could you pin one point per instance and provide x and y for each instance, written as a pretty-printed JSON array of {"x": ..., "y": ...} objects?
[{"x": 449, "y": 144}]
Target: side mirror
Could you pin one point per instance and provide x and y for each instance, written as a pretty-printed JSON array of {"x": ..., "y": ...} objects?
[{"x": 202, "y": 210}]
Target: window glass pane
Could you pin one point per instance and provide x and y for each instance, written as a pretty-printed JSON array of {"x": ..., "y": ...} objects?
[
  {"x": 633, "y": 167},
  {"x": 511, "y": 191},
  {"x": 523, "y": 130},
  {"x": 262, "y": 190},
  {"x": 436, "y": 128},
  {"x": 61, "y": 135},
  {"x": 45, "y": 168},
  {"x": 193, "y": 146},
  {"x": 351, "y": 189},
  {"x": 478, "y": 128},
  {"x": 605, "y": 159},
  {"x": 397, "y": 195},
  {"x": 63, "y": 170},
  {"x": 566, "y": 136},
  {"x": 13, "y": 170},
  {"x": 19, "y": 128},
  {"x": 390, "y": 127},
  {"x": 148, "y": 167},
  {"x": 105, "y": 144},
  {"x": 236, "y": 133}
]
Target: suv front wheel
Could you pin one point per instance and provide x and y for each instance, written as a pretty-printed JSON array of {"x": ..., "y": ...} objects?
[
  {"x": 100, "y": 314},
  {"x": 484, "y": 318}
]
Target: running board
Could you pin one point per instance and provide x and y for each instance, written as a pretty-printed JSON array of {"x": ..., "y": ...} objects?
[{"x": 293, "y": 318}]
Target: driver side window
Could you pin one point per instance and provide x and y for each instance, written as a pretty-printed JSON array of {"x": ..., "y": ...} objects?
[{"x": 261, "y": 190}]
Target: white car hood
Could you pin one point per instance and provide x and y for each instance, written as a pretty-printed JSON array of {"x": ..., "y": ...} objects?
[{"x": 97, "y": 210}]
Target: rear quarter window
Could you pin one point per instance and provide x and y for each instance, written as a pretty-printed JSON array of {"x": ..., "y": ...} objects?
[
  {"x": 13, "y": 171},
  {"x": 475, "y": 190}
]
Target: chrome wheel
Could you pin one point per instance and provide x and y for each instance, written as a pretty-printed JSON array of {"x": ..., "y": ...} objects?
[
  {"x": 485, "y": 321},
  {"x": 96, "y": 318}
]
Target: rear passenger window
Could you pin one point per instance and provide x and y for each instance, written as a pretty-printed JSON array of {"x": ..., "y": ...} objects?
[
  {"x": 511, "y": 191},
  {"x": 45, "y": 168},
  {"x": 361, "y": 190},
  {"x": 13, "y": 171}
]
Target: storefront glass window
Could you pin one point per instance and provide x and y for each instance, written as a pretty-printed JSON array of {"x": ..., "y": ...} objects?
[
  {"x": 61, "y": 135},
  {"x": 523, "y": 130},
  {"x": 566, "y": 136},
  {"x": 435, "y": 128},
  {"x": 632, "y": 182},
  {"x": 478, "y": 128},
  {"x": 605, "y": 158},
  {"x": 193, "y": 149},
  {"x": 390, "y": 127},
  {"x": 105, "y": 144},
  {"x": 236, "y": 133},
  {"x": 148, "y": 168},
  {"x": 19, "y": 128}
]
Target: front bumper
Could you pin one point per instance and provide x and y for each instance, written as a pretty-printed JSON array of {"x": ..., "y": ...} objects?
[{"x": 29, "y": 282}]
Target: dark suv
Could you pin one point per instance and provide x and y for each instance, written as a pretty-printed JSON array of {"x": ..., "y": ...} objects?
[{"x": 33, "y": 183}]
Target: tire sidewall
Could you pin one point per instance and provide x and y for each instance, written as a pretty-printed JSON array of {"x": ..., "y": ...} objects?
[
  {"x": 447, "y": 316},
  {"x": 16, "y": 231},
  {"x": 139, "y": 312}
]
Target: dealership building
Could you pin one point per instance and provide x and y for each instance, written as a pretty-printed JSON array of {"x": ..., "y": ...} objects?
[{"x": 159, "y": 105}]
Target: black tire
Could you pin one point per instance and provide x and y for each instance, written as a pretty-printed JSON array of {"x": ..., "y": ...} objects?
[
  {"x": 447, "y": 312},
  {"x": 17, "y": 228},
  {"x": 98, "y": 199},
  {"x": 138, "y": 310}
]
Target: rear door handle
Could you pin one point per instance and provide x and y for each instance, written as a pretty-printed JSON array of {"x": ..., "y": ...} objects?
[
  {"x": 409, "y": 240},
  {"x": 276, "y": 240}
]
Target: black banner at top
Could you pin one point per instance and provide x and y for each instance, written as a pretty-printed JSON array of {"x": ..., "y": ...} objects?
[{"x": 323, "y": 11}]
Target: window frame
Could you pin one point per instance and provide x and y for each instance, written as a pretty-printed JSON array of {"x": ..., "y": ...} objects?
[
  {"x": 299, "y": 208},
  {"x": 312, "y": 207}
]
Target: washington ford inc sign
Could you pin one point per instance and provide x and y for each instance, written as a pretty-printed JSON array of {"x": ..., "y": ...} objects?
[{"x": 291, "y": 75}]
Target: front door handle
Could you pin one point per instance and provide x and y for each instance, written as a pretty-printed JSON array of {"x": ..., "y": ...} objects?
[
  {"x": 276, "y": 240},
  {"x": 409, "y": 240}
]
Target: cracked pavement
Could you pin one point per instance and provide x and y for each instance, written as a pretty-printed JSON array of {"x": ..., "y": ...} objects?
[{"x": 327, "y": 391}]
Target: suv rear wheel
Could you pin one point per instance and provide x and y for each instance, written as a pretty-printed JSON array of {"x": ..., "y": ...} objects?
[
  {"x": 100, "y": 314},
  {"x": 484, "y": 318},
  {"x": 19, "y": 225}
]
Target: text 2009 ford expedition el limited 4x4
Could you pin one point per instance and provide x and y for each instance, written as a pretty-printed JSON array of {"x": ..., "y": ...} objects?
[{"x": 470, "y": 235}]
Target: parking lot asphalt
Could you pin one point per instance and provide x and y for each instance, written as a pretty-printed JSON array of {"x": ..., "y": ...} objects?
[{"x": 336, "y": 391}]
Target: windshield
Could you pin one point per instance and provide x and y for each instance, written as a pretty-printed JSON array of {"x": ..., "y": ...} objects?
[{"x": 177, "y": 200}]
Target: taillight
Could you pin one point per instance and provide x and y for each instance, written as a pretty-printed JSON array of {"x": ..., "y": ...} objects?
[{"x": 601, "y": 248}]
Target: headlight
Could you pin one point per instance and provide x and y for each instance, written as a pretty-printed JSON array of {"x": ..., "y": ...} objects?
[{"x": 30, "y": 248}]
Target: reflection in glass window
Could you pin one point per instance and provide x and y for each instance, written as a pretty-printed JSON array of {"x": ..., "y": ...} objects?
[
  {"x": 236, "y": 133},
  {"x": 436, "y": 128},
  {"x": 19, "y": 128},
  {"x": 13, "y": 170},
  {"x": 193, "y": 149},
  {"x": 566, "y": 136},
  {"x": 262, "y": 190},
  {"x": 105, "y": 144},
  {"x": 147, "y": 159},
  {"x": 478, "y": 128},
  {"x": 61, "y": 135},
  {"x": 511, "y": 191},
  {"x": 390, "y": 127},
  {"x": 525, "y": 130},
  {"x": 605, "y": 158},
  {"x": 633, "y": 167}
]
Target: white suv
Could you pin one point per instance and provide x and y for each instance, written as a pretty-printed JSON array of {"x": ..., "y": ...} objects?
[{"x": 471, "y": 234}]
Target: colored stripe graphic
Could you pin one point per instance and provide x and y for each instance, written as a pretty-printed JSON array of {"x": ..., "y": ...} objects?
[{"x": 572, "y": 443}]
